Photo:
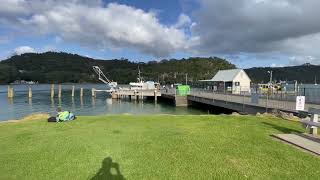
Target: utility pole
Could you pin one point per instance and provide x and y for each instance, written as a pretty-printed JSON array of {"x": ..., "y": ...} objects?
[
  {"x": 186, "y": 78},
  {"x": 270, "y": 72}
]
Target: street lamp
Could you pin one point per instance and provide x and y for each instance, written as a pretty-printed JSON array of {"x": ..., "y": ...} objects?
[{"x": 270, "y": 72}]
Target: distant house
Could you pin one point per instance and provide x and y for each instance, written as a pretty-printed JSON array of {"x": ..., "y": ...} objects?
[{"x": 233, "y": 81}]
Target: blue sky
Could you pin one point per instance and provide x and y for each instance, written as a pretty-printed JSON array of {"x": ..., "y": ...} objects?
[{"x": 244, "y": 32}]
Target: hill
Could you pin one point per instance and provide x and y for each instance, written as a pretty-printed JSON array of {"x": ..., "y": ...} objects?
[
  {"x": 60, "y": 67},
  {"x": 305, "y": 73}
]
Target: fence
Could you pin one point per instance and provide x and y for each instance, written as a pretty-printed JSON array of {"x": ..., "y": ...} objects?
[{"x": 270, "y": 99}]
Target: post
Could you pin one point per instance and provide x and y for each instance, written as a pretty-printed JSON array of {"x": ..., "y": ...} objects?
[
  {"x": 81, "y": 92},
  {"x": 9, "y": 92},
  {"x": 186, "y": 78},
  {"x": 92, "y": 92},
  {"x": 59, "y": 92},
  {"x": 135, "y": 95},
  {"x": 30, "y": 92},
  {"x": 52, "y": 90},
  {"x": 155, "y": 96},
  {"x": 313, "y": 129},
  {"x": 72, "y": 93}
]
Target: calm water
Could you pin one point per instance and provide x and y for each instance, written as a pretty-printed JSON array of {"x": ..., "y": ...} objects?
[{"x": 41, "y": 102}]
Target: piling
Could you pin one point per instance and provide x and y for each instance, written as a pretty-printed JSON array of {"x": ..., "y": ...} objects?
[
  {"x": 155, "y": 96},
  {"x": 59, "y": 92},
  {"x": 30, "y": 92},
  {"x": 10, "y": 95},
  {"x": 11, "y": 92},
  {"x": 72, "y": 93},
  {"x": 52, "y": 90},
  {"x": 93, "y": 92},
  {"x": 8, "y": 91},
  {"x": 81, "y": 92}
]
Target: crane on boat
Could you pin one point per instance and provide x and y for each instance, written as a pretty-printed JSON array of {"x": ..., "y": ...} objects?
[{"x": 103, "y": 78}]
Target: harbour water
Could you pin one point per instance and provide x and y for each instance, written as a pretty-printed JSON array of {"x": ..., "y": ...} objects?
[{"x": 41, "y": 102}]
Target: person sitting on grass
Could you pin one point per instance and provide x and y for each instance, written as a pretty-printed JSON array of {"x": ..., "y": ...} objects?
[{"x": 63, "y": 116}]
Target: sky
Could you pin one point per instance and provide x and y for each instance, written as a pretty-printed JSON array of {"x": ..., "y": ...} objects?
[{"x": 248, "y": 33}]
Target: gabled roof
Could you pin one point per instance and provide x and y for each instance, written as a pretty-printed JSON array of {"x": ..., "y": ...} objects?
[{"x": 225, "y": 75}]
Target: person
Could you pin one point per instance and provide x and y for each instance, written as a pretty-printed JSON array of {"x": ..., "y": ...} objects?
[{"x": 64, "y": 115}]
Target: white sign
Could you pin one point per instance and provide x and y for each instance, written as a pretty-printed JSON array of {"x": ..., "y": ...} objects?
[{"x": 300, "y": 101}]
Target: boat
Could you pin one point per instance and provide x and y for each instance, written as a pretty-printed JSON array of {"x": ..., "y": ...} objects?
[{"x": 142, "y": 85}]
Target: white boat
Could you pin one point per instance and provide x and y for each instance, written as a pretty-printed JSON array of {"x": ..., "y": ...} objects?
[{"x": 141, "y": 85}]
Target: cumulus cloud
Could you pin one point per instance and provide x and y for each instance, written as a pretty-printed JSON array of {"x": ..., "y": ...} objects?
[
  {"x": 24, "y": 49},
  {"x": 258, "y": 26},
  {"x": 100, "y": 27},
  {"x": 288, "y": 28}
]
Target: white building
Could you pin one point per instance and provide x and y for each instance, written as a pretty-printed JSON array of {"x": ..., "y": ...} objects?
[{"x": 233, "y": 81}]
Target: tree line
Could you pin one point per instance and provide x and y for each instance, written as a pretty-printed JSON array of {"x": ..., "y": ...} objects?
[{"x": 60, "y": 67}]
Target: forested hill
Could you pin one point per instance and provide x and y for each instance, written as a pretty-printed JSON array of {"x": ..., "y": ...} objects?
[
  {"x": 62, "y": 67},
  {"x": 305, "y": 73}
]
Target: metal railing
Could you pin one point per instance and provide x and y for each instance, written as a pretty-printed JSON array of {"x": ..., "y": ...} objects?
[{"x": 282, "y": 100}]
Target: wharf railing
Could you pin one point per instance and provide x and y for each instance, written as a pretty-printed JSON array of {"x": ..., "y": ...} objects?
[{"x": 282, "y": 100}]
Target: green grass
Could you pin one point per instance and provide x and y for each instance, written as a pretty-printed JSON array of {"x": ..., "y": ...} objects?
[{"x": 153, "y": 147}]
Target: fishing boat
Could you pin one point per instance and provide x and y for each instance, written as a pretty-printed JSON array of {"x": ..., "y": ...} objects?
[{"x": 142, "y": 85}]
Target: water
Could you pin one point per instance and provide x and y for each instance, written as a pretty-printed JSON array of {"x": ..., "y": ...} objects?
[{"x": 21, "y": 106}]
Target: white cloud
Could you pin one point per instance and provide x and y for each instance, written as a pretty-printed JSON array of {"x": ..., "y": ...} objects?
[
  {"x": 183, "y": 20},
  {"x": 288, "y": 27},
  {"x": 102, "y": 27},
  {"x": 24, "y": 49},
  {"x": 269, "y": 27}
]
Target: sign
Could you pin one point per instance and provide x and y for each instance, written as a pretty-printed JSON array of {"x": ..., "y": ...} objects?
[{"x": 300, "y": 101}]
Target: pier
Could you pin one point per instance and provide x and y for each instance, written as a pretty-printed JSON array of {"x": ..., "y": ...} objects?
[
  {"x": 234, "y": 102},
  {"x": 131, "y": 93}
]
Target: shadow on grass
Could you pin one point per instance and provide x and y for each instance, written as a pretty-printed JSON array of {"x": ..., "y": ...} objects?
[
  {"x": 282, "y": 129},
  {"x": 105, "y": 173}
]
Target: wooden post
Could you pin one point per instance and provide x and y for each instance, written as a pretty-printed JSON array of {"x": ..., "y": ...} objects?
[
  {"x": 135, "y": 95},
  {"x": 72, "y": 93},
  {"x": 81, "y": 92},
  {"x": 9, "y": 92},
  {"x": 313, "y": 129},
  {"x": 52, "y": 90},
  {"x": 92, "y": 92},
  {"x": 59, "y": 92},
  {"x": 30, "y": 92},
  {"x": 155, "y": 96}
]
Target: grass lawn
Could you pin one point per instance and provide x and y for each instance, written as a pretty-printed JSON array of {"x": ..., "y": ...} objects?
[{"x": 153, "y": 147}]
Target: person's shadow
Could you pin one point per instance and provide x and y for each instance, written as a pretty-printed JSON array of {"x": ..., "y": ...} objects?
[{"x": 105, "y": 171}]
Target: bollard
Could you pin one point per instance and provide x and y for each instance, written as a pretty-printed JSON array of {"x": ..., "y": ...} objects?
[
  {"x": 81, "y": 92},
  {"x": 59, "y": 92},
  {"x": 30, "y": 92},
  {"x": 72, "y": 93},
  {"x": 313, "y": 129},
  {"x": 52, "y": 90}
]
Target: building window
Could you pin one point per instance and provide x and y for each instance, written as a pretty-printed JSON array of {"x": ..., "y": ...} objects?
[{"x": 237, "y": 83}]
